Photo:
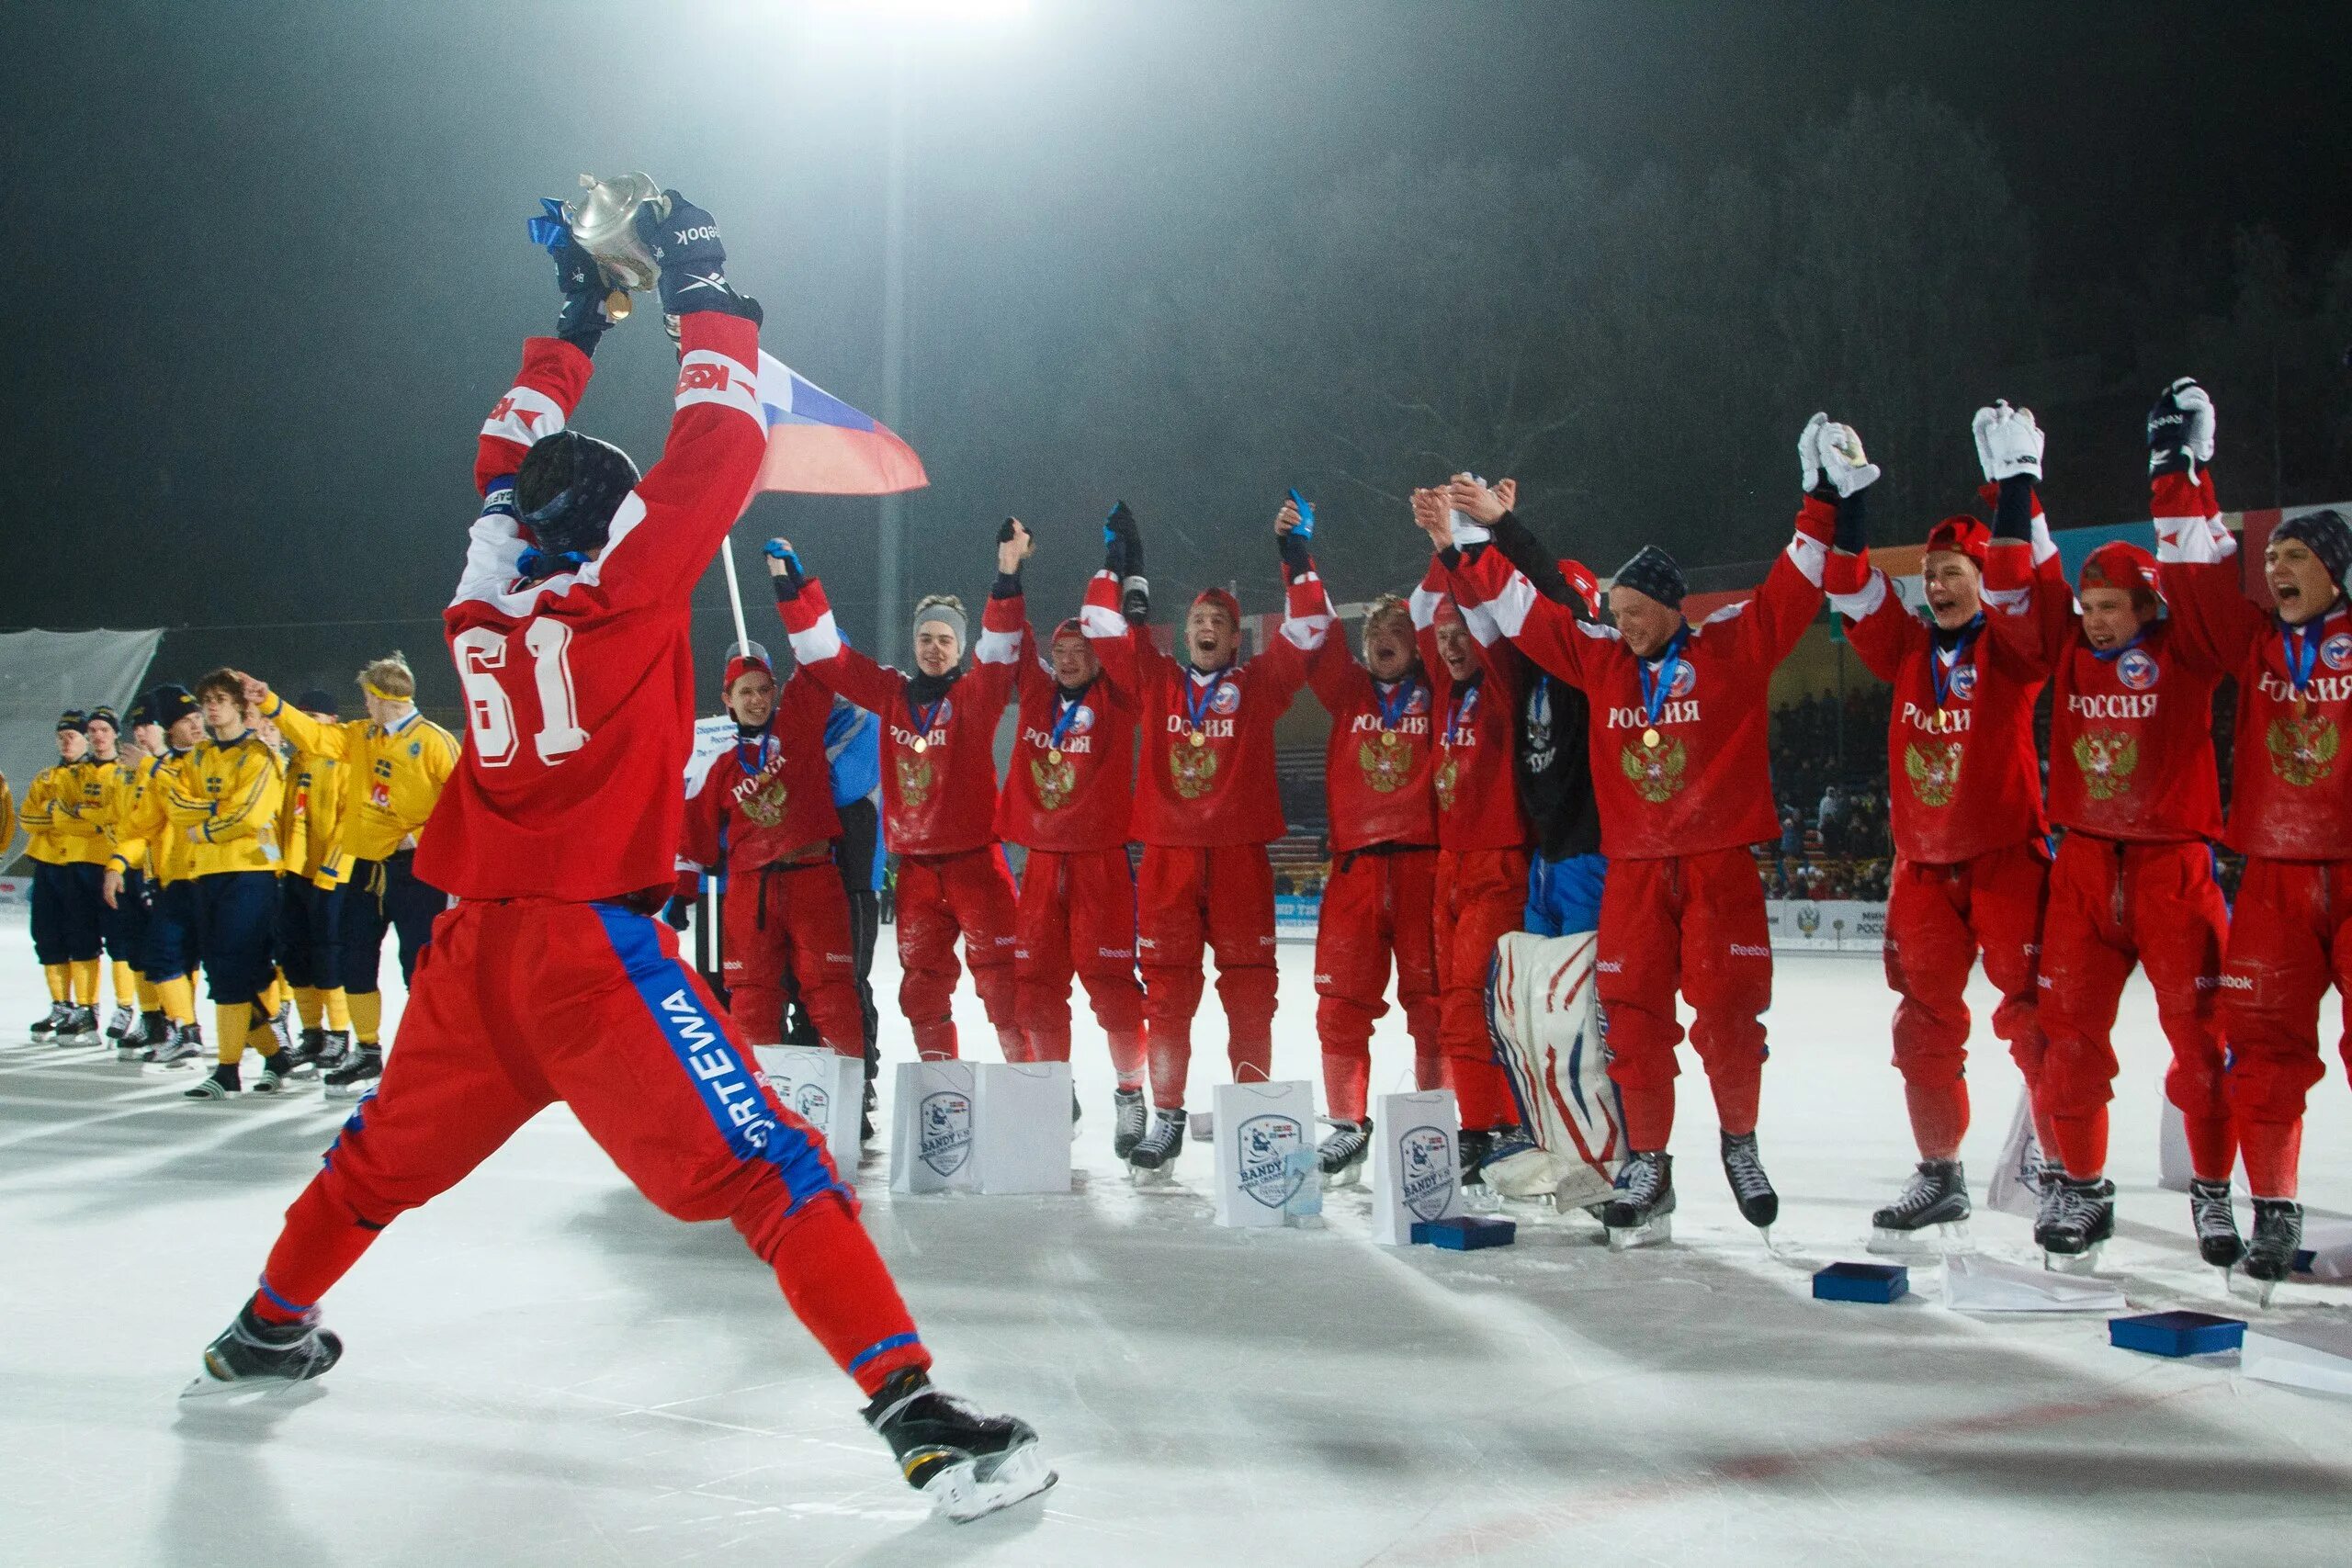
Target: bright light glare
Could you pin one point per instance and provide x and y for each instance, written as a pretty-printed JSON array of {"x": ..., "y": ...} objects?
[{"x": 911, "y": 15}]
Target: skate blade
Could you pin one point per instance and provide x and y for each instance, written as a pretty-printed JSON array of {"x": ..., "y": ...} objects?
[
  {"x": 1949, "y": 1237},
  {"x": 962, "y": 1494},
  {"x": 2084, "y": 1262},
  {"x": 1347, "y": 1176},
  {"x": 1656, "y": 1233},
  {"x": 2246, "y": 1287},
  {"x": 1150, "y": 1176}
]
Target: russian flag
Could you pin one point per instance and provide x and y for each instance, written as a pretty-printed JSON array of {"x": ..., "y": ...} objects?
[{"x": 818, "y": 444}]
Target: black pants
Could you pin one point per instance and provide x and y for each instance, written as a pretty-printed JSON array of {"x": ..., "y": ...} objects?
[
  {"x": 307, "y": 919},
  {"x": 67, "y": 911},
  {"x": 383, "y": 895}
]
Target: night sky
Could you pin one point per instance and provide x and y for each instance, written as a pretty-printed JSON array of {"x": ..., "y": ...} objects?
[{"x": 268, "y": 266}]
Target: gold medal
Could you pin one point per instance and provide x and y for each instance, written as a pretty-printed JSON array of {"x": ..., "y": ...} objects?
[
  {"x": 1649, "y": 737},
  {"x": 1388, "y": 738},
  {"x": 617, "y": 306},
  {"x": 1196, "y": 739},
  {"x": 1055, "y": 756},
  {"x": 922, "y": 744}
]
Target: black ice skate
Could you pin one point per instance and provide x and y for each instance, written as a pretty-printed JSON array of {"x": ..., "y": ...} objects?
[
  {"x": 1341, "y": 1153},
  {"x": 1472, "y": 1151},
  {"x": 220, "y": 1083},
  {"x": 1157, "y": 1149},
  {"x": 1758, "y": 1204},
  {"x": 44, "y": 1028},
  {"x": 122, "y": 1025},
  {"x": 2081, "y": 1219},
  {"x": 281, "y": 1024},
  {"x": 2210, "y": 1210},
  {"x": 358, "y": 1074},
  {"x": 260, "y": 1355},
  {"x": 967, "y": 1463},
  {"x": 153, "y": 1030},
  {"x": 302, "y": 1061},
  {"x": 276, "y": 1068},
  {"x": 2277, "y": 1232},
  {"x": 335, "y": 1049},
  {"x": 1128, "y": 1116},
  {"x": 181, "y": 1046},
  {"x": 1937, "y": 1197},
  {"x": 80, "y": 1028},
  {"x": 1640, "y": 1211}
]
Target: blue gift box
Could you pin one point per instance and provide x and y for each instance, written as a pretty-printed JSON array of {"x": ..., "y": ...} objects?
[
  {"x": 1879, "y": 1282},
  {"x": 1465, "y": 1232},
  {"x": 2176, "y": 1333}
]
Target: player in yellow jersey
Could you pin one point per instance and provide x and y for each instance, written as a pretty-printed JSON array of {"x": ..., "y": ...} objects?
[
  {"x": 395, "y": 762},
  {"x": 127, "y": 909},
  {"x": 224, "y": 797},
  {"x": 106, "y": 790},
  {"x": 69, "y": 849},
  {"x": 153, "y": 862},
  {"x": 309, "y": 898}
]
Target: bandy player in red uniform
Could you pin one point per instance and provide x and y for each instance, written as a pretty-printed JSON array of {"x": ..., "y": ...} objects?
[
  {"x": 1379, "y": 901},
  {"x": 763, "y": 811},
  {"x": 938, "y": 792},
  {"x": 2290, "y": 796},
  {"x": 1680, "y": 767},
  {"x": 1207, "y": 807},
  {"x": 1482, "y": 834},
  {"x": 2132, "y": 783},
  {"x": 1971, "y": 846},
  {"x": 548, "y": 979},
  {"x": 1065, "y": 799}
]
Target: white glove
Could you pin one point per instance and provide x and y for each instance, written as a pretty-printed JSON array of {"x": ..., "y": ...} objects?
[
  {"x": 1809, "y": 451},
  {"x": 2198, "y": 405},
  {"x": 1842, "y": 459},
  {"x": 2008, "y": 441}
]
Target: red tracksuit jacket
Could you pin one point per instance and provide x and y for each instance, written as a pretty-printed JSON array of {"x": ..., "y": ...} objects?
[
  {"x": 1964, "y": 775},
  {"x": 938, "y": 760},
  {"x": 1476, "y": 784},
  {"x": 1378, "y": 764},
  {"x": 1705, "y": 783},
  {"x": 2291, "y": 791},
  {"x": 579, "y": 688},
  {"x": 767, "y": 801},
  {"x": 1071, "y": 786},
  {"x": 1221, "y": 791}
]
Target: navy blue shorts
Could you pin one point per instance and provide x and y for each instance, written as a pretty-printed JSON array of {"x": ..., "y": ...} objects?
[
  {"x": 66, "y": 904},
  {"x": 167, "y": 946},
  {"x": 236, "y": 915}
]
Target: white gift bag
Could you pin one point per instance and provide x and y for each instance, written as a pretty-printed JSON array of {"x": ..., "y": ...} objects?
[
  {"x": 1415, "y": 1176},
  {"x": 1258, "y": 1126},
  {"x": 825, "y": 1089},
  {"x": 2313, "y": 1354},
  {"x": 1974, "y": 1282},
  {"x": 930, "y": 1129},
  {"x": 1021, "y": 1127},
  {"x": 2014, "y": 1189}
]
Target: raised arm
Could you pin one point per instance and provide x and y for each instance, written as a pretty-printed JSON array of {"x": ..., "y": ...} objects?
[
  {"x": 817, "y": 644},
  {"x": 2028, "y": 606},
  {"x": 1117, "y": 611},
  {"x": 1307, "y": 616},
  {"x": 1479, "y": 575},
  {"x": 2197, "y": 558},
  {"x": 1005, "y": 646}
]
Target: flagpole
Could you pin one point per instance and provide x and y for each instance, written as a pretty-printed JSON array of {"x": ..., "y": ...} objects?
[{"x": 734, "y": 593}]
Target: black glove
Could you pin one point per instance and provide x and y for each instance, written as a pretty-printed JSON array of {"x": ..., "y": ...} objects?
[
  {"x": 678, "y": 914},
  {"x": 1853, "y": 535},
  {"x": 1123, "y": 557},
  {"x": 577, "y": 276},
  {"x": 2180, "y": 428},
  {"x": 789, "y": 582},
  {"x": 2013, "y": 512},
  {"x": 1297, "y": 559},
  {"x": 692, "y": 261}
]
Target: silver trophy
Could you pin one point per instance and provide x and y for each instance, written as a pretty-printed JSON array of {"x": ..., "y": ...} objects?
[{"x": 604, "y": 220}]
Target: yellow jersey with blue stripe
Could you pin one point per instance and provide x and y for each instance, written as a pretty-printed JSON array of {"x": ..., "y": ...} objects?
[
  {"x": 393, "y": 778},
  {"x": 224, "y": 798}
]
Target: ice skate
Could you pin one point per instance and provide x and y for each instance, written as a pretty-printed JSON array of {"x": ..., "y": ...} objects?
[
  {"x": 337, "y": 1049},
  {"x": 180, "y": 1048},
  {"x": 140, "y": 1044},
  {"x": 1155, "y": 1154},
  {"x": 2074, "y": 1227},
  {"x": 80, "y": 1028},
  {"x": 220, "y": 1083},
  {"x": 967, "y": 1463},
  {"x": 1517, "y": 1168},
  {"x": 1640, "y": 1211},
  {"x": 281, "y": 1024},
  {"x": 302, "y": 1059},
  {"x": 44, "y": 1028},
  {"x": 1758, "y": 1204},
  {"x": 1129, "y": 1115},
  {"x": 122, "y": 1025},
  {"x": 357, "y": 1075},
  {"x": 1935, "y": 1198},
  {"x": 2216, "y": 1223},
  {"x": 2277, "y": 1232},
  {"x": 261, "y": 1356},
  {"x": 1342, "y": 1154},
  {"x": 1472, "y": 1150}
]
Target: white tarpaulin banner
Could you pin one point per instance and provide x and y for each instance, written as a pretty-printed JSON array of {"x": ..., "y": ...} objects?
[
  {"x": 43, "y": 673},
  {"x": 1825, "y": 925}
]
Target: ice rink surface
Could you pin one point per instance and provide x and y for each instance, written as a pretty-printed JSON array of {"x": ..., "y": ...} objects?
[{"x": 542, "y": 1370}]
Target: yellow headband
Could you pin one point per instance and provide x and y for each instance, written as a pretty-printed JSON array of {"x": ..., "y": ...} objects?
[{"x": 379, "y": 692}]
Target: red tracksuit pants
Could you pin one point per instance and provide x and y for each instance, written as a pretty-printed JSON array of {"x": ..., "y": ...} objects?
[
  {"x": 939, "y": 897},
  {"x": 1692, "y": 923},
  {"x": 1078, "y": 918},
  {"x": 2112, "y": 904},
  {"x": 2290, "y": 938},
  {"x": 1193, "y": 901},
  {"x": 1379, "y": 903},
  {"x": 791, "y": 920},
  {"x": 518, "y": 1004},
  {"x": 1938, "y": 917},
  {"x": 1481, "y": 895}
]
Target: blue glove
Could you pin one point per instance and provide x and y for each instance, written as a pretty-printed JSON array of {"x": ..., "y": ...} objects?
[
  {"x": 692, "y": 261},
  {"x": 1305, "y": 529},
  {"x": 577, "y": 275},
  {"x": 789, "y": 582}
]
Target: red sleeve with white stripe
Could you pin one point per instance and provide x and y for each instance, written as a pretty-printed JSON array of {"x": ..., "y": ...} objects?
[
  {"x": 549, "y": 387},
  {"x": 998, "y": 656},
  {"x": 2197, "y": 562},
  {"x": 1764, "y": 629},
  {"x": 1549, "y": 633},
  {"x": 817, "y": 648},
  {"x": 1307, "y": 620}
]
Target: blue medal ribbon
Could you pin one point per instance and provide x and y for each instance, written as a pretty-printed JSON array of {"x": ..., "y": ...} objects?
[
  {"x": 2112, "y": 654},
  {"x": 1197, "y": 700},
  {"x": 1459, "y": 712},
  {"x": 1062, "y": 717},
  {"x": 2301, "y": 645},
  {"x": 1657, "y": 682},
  {"x": 1393, "y": 704},
  {"x": 923, "y": 718},
  {"x": 1940, "y": 669}
]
